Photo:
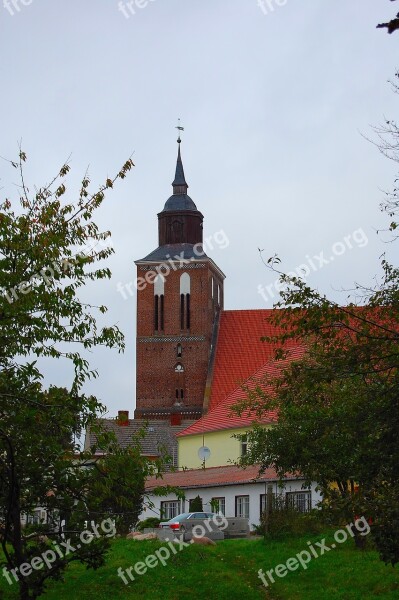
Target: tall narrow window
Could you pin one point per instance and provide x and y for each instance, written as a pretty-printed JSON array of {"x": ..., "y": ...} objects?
[
  {"x": 156, "y": 313},
  {"x": 179, "y": 350},
  {"x": 159, "y": 289},
  {"x": 188, "y": 311},
  {"x": 181, "y": 311},
  {"x": 181, "y": 394},
  {"x": 185, "y": 301},
  {"x": 242, "y": 506},
  {"x": 162, "y": 313}
]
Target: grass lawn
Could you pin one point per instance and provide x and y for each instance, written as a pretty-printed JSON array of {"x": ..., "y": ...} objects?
[{"x": 229, "y": 571}]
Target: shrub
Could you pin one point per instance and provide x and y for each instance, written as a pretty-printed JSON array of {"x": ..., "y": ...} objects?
[
  {"x": 150, "y": 523},
  {"x": 285, "y": 520},
  {"x": 196, "y": 504}
]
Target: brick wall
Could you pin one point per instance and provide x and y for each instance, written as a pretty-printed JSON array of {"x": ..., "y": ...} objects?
[{"x": 157, "y": 379}]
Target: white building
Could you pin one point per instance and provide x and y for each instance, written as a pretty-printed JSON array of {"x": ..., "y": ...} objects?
[{"x": 235, "y": 492}]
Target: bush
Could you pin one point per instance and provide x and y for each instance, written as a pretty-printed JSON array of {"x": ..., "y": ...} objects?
[
  {"x": 150, "y": 523},
  {"x": 196, "y": 504},
  {"x": 285, "y": 520}
]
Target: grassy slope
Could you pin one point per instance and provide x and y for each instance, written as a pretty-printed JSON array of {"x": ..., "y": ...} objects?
[{"x": 229, "y": 571}]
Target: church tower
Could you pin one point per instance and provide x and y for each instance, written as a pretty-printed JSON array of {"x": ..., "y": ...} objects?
[{"x": 179, "y": 298}]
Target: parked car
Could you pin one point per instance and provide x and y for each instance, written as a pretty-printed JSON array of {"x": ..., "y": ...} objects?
[{"x": 177, "y": 523}]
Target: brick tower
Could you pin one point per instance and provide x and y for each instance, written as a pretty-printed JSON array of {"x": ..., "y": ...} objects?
[{"x": 179, "y": 297}]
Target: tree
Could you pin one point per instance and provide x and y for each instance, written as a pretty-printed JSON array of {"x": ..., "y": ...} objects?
[
  {"x": 392, "y": 25},
  {"x": 38, "y": 469},
  {"x": 338, "y": 405},
  {"x": 49, "y": 248},
  {"x": 116, "y": 487},
  {"x": 196, "y": 504}
]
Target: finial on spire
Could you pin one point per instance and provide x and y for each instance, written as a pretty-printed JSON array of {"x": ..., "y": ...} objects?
[{"x": 179, "y": 128}]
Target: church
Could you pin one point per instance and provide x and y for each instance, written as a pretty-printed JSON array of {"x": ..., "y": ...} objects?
[{"x": 193, "y": 357}]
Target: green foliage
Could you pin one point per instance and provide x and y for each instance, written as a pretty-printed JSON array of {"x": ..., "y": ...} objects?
[
  {"x": 150, "y": 523},
  {"x": 196, "y": 504},
  {"x": 49, "y": 248},
  {"x": 116, "y": 485},
  {"x": 338, "y": 401},
  {"x": 284, "y": 521}
]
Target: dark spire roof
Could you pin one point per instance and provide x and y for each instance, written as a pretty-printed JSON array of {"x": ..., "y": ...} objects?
[
  {"x": 180, "y": 180},
  {"x": 180, "y": 200}
]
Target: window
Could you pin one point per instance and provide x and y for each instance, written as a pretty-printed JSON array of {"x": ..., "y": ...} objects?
[
  {"x": 300, "y": 501},
  {"x": 170, "y": 509},
  {"x": 159, "y": 285},
  {"x": 244, "y": 445},
  {"x": 179, "y": 350},
  {"x": 185, "y": 301},
  {"x": 181, "y": 311},
  {"x": 263, "y": 499},
  {"x": 219, "y": 505},
  {"x": 156, "y": 313},
  {"x": 181, "y": 394},
  {"x": 159, "y": 290},
  {"x": 242, "y": 506},
  {"x": 162, "y": 313},
  {"x": 35, "y": 518},
  {"x": 188, "y": 311},
  {"x": 179, "y": 368}
]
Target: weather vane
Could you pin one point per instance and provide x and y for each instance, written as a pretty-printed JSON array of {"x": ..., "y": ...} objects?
[{"x": 179, "y": 128}]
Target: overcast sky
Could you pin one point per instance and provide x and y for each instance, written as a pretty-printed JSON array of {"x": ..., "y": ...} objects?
[{"x": 275, "y": 105}]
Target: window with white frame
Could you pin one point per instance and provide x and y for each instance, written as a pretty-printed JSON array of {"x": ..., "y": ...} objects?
[
  {"x": 170, "y": 509},
  {"x": 36, "y": 517},
  {"x": 242, "y": 506},
  {"x": 264, "y": 497},
  {"x": 219, "y": 505},
  {"x": 244, "y": 445},
  {"x": 300, "y": 501}
]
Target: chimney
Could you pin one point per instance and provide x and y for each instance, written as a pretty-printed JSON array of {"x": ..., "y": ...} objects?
[{"x": 123, "y": 418}]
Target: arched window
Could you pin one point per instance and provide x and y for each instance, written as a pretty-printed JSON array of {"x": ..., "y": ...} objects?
[
  {"x": 159, "y": 306},
  {"x": 156, "y": 313},
  {"x": 159, "y": 285},
  {"x": 185, "y": 301},
  {"x": 179, "y": 368},
  {"x": 179, "y": 350}
]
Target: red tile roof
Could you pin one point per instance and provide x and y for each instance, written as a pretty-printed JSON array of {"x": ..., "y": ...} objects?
[
  {"x": 215, "y": 476},
  {"x": 240, "y": 352},
  {"x": 223, "y": 417}
]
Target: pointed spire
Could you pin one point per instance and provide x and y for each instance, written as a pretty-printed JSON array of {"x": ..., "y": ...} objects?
[{"x": 179, "y": 184}]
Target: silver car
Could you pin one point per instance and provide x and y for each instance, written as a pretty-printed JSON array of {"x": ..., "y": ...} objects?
[{"x": 177, "y": 523}]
